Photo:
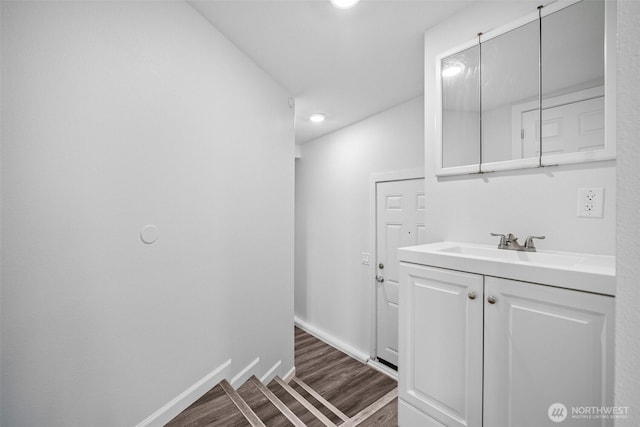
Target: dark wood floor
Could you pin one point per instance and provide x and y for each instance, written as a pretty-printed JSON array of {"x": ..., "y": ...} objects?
[
  {"x": 213, "y": 409},
  {"x": 344, "y": 382}
]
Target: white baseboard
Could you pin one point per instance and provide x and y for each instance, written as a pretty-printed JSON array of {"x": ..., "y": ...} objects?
[
  {"x": 271, "y": 373},
  {"x": 244, "y": 374},
  {"x": 383, "y": 369},
  {"x": 289, "y": 375},
  {"x": 181, "y": 402},
  {"x": 332, "y": 341}
]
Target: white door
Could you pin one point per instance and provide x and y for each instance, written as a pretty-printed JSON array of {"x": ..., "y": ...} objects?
[
  {"x": 566, "y": 128},
  {"x": 441, "y": 346},
  {"x": 546, "y": 346},
  {"x": 400, "y": 222}
]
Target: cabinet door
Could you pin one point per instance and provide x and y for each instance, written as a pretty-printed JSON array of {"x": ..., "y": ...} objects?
[
  {"x": 441, "y": 345},
  {"x": 543, "y": 346}
]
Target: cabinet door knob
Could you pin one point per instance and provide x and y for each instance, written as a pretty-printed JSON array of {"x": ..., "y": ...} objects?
[
  {"x": 491, "y": 299},
  {"x": 472, "y": 295},
  {"x": 379, "y": 279},
  {"x": 381, "y": 266}
]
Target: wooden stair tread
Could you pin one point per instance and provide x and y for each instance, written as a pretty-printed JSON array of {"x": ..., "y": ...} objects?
[
  {"x": 346, "y": 383},
  {"x": 384, "y": 417},
  {"x": 330, "y": 389},
  {"x": 241, "y": 404},
  {"x": 316, "y": 403},
  {"x": 317, "y": 414},
  {"x": 321, "y": 399},
  {"x": 301, "y": 412},
  {"x": 263, "y": 408},
  {"x": 368, "y": 393},
  {"x": 293, "y": 419},
  {"x": 366, "y": 413},
  {"x": 213, "y": 408}
]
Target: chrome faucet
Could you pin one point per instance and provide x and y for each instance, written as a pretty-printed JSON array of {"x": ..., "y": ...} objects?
[{"x": 510, "y": 242}]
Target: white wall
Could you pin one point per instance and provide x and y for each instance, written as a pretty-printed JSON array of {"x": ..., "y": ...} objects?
[
  {"x": 116, "y": 115},
  {"x": 332, "y": 218},
  {"x": 541, "y": 201},
  {"x": 628, "y": 230}
]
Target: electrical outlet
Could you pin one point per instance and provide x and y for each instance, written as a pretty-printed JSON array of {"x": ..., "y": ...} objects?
[
  {"x": 591, "y": 202},
  {"x": 365, "y": 259}
]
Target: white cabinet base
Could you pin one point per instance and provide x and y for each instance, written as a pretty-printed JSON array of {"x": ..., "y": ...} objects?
[
  {"x": 482, "y": 351},
  {"x": 441, "y": 344},
  {"x": 408, "y": 416},
  {"x": 545, "y": 345}
]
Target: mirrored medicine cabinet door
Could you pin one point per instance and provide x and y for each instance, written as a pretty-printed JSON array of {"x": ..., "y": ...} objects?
[
  {"x": 461, "y": 108},
  {"x": 510, "y": 76},
  {"x": 529, "y": 94}
]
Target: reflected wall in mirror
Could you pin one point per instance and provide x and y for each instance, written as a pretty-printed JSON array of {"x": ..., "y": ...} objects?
[
  {"x": 510, "y": 76},
  {"x": 460, "y": 80}
]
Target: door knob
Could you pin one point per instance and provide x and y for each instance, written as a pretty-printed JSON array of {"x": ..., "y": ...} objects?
[
  {"x": 381, "y": 266},
  {"x": 472, "y": 295},
  {"x": 491, "y": 299},
  {"x": 379, "y": 279}
]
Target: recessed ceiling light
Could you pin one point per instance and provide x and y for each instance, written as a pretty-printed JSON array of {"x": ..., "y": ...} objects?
[
  {"x": 317, "y": 117},
  {"x": 344, "y": 4},
  {"x": 451, "y": 71}
]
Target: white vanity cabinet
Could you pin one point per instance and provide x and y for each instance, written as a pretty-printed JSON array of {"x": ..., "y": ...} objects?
[
  {"x": 477, "y": 350},
  {"x": 545, "y": 345},
  {"x": 440, "y": 346}
]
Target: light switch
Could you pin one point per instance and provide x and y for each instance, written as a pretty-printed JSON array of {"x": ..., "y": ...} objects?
[{"x": 365, "y": 259}]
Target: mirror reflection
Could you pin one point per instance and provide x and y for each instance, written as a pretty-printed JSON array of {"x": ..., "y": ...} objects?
[
  {"x": 460, "y": 79},
  {"x": 539, "y": 85},
  {"x": 572, "y": 80},
  {"x": 510, "y": 76}
]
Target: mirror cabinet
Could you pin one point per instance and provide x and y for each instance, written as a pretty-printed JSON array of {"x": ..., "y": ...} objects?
[{"x": 537, "y": 92}]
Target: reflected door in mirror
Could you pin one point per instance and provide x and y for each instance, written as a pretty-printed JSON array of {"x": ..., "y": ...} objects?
[{"x": 573, "y": 65}]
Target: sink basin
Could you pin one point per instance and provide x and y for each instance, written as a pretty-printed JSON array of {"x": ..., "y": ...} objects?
[
  {"x": 551, "y": 259},
  {"x": 586, "y": 272}
]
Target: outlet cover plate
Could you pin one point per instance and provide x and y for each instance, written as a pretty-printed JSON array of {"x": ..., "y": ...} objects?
[
  {"x": 591, "y": 202},
  {"x": 365, "y": 259}
]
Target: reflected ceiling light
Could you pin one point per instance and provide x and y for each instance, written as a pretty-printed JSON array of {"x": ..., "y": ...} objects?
[
  {"x": 344, "y": 4},
  {"x": 317, "y": 117},
  {"x": 451, "y": 71}
]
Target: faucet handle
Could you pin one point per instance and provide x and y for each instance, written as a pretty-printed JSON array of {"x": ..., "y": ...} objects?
[
  {"x": 503, "y": 238},
  {"x": 528, "y": 243}
]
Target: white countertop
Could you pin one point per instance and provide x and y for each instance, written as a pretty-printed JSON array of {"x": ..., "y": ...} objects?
[{"x": 578, "y": 271}]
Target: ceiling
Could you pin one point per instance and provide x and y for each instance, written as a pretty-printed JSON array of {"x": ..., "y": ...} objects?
[{"x": 348, "y": 64}]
